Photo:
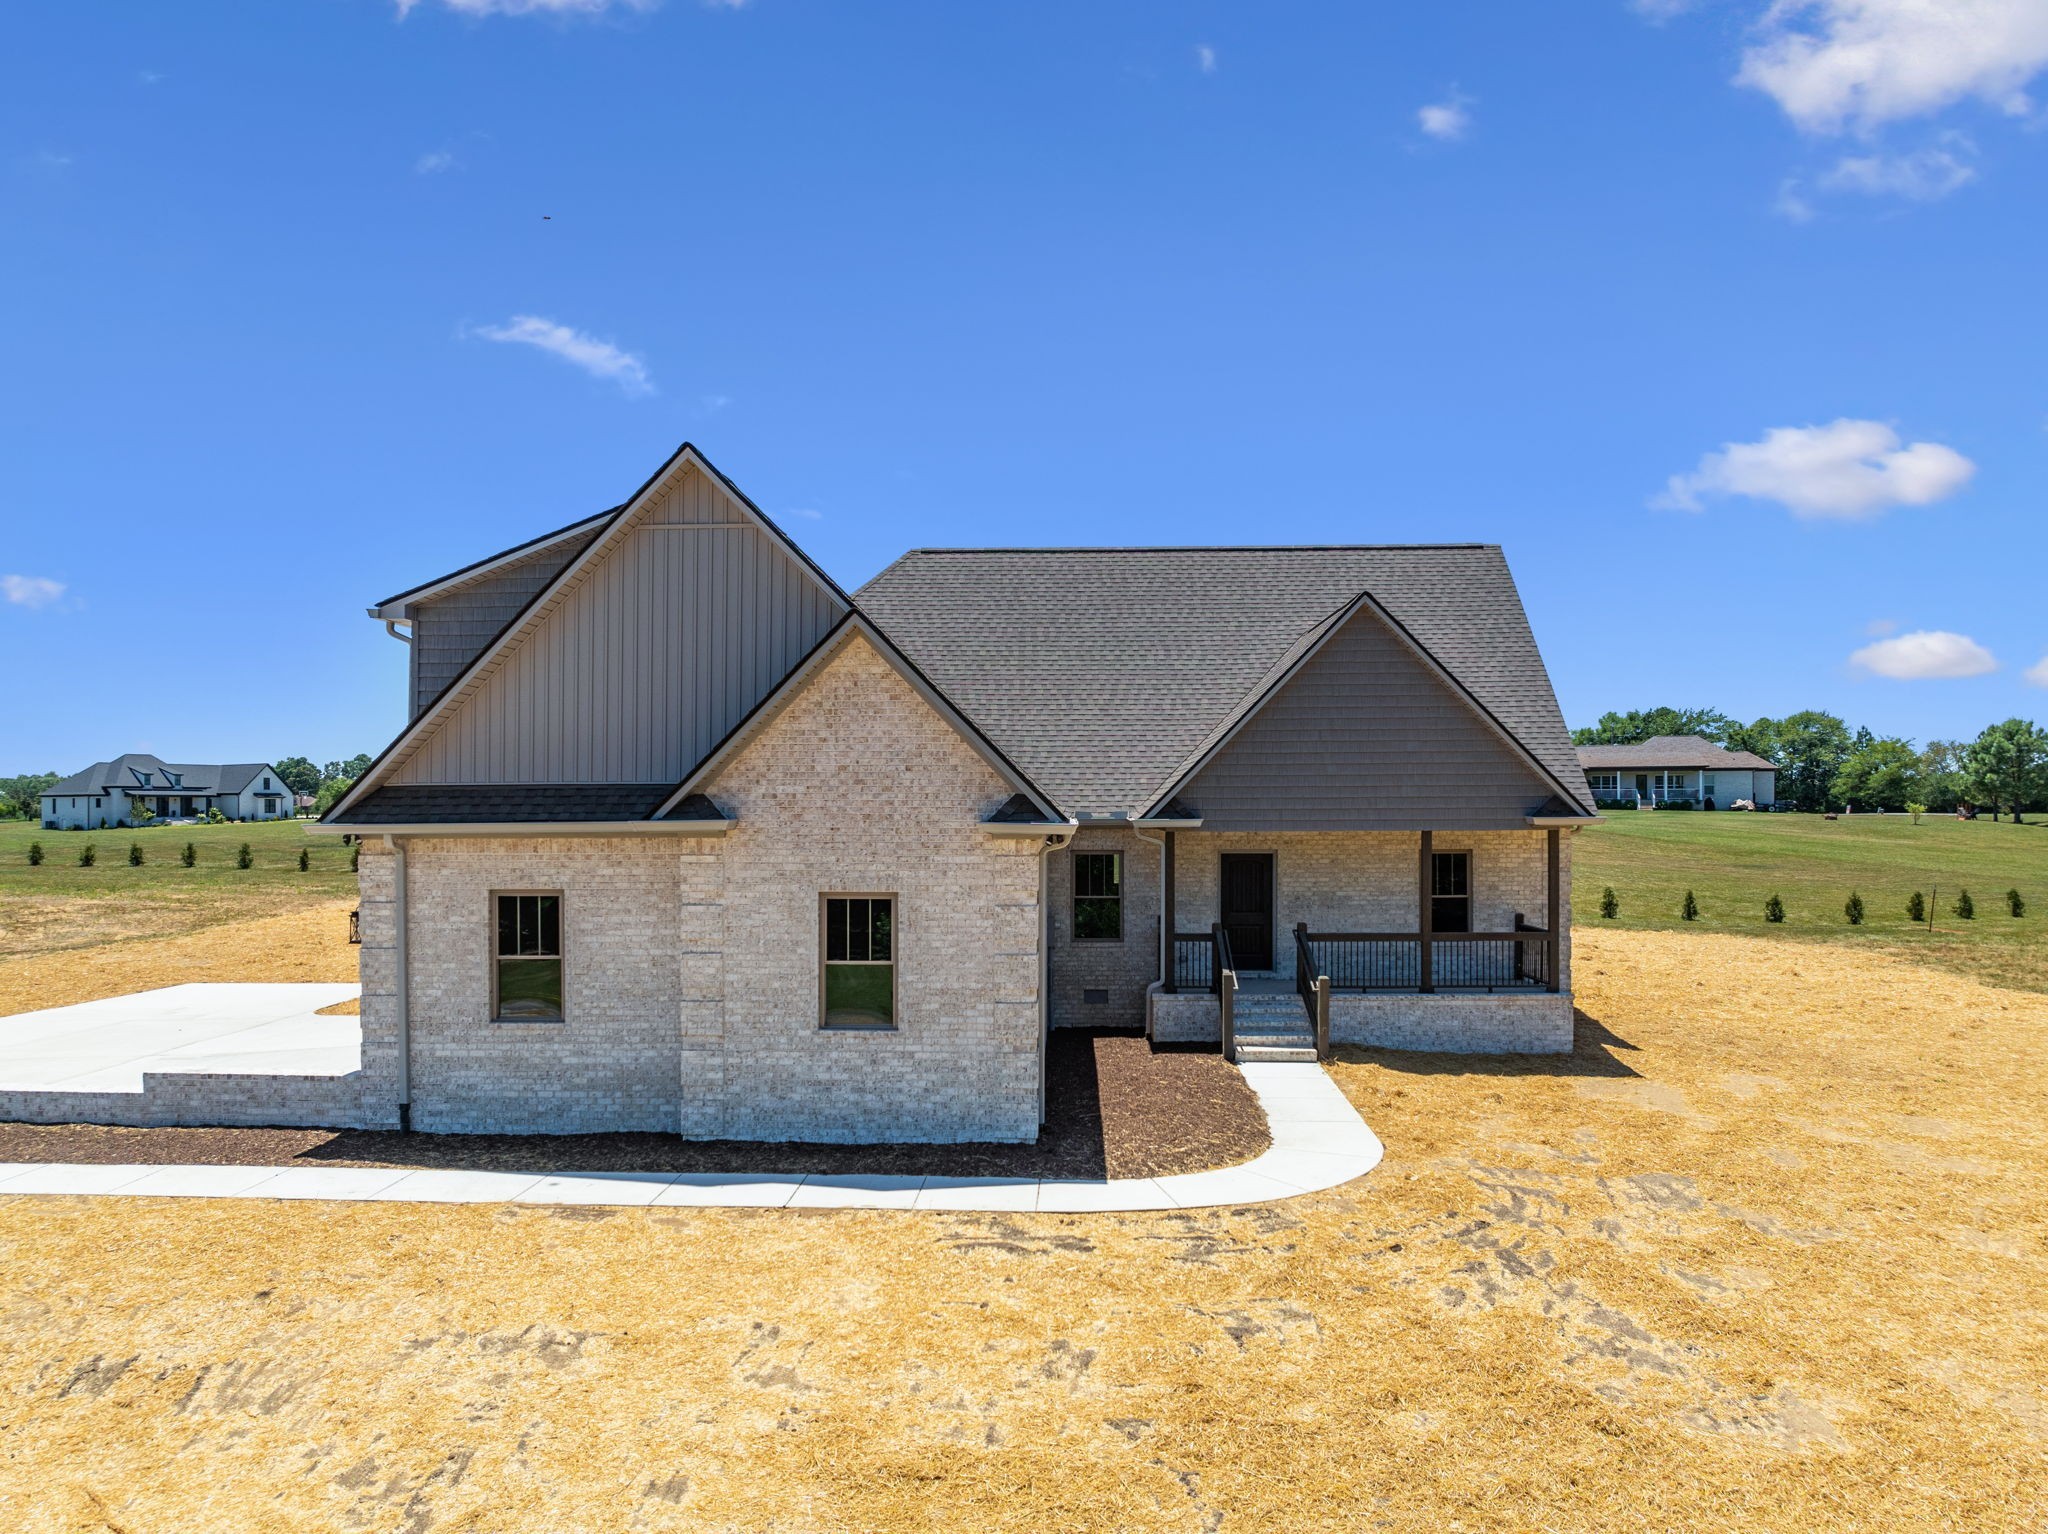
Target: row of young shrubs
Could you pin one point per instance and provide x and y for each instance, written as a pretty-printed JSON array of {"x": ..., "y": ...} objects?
[
  {"x": 1964, "y": 908},
  {"x": 89, "y": 854}
]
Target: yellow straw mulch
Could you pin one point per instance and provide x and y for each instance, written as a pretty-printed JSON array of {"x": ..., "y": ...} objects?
[{"x": 1767, "y": 1253}]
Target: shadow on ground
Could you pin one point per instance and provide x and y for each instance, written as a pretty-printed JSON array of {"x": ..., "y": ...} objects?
[{"x": 1594, "y": 1054}]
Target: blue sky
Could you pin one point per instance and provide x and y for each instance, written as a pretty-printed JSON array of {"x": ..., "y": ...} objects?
[{"x": 1726, "y": 321}]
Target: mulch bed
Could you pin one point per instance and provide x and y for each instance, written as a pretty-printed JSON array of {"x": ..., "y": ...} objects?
[{"x": 1117, "y": 1107}]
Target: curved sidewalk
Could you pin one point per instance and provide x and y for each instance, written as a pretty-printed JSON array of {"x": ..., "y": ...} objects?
[{"x": 1319, "y": 1141}]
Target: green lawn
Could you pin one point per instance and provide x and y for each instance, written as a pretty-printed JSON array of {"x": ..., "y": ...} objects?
[
  {"x": 61, "y": 905},
  {"x": 1734, "y": 862}
]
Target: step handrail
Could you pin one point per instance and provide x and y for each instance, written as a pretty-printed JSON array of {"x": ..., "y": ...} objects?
[
  {"x": 1313, "y": 989},
  {"x": 1226, "y": 991}
]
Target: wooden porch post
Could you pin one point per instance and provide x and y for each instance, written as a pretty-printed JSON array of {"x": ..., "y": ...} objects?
[
  {"x": 1166, "y": 916},
  {"x": 1425, "y": 915},
  {"x": 1555, "y": 942}
]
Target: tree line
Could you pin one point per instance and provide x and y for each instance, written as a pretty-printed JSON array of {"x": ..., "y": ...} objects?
[
  {"x": 1824, "y": 765},
  {"x": 21, "y": 797}
]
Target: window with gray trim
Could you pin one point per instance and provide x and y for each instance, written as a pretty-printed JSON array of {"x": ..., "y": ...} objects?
[
  {"x": 1098, "y": 897},
  {"x": 526, "y": 978},
  {"x": 857, "y": 957}
]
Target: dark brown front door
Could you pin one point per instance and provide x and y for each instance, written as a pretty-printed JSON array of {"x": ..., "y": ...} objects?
[{"x": 1248, "y": 908}]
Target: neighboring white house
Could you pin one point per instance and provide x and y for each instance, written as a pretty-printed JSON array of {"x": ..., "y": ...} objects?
[
  {"x": 1678, "y": 769},
  {"x": 114, "y": 793}
]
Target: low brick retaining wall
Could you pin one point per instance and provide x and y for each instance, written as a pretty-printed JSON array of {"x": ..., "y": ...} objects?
[
  {"x": 1528, "y": 1023},
  {"x": 192, "y": 1100}
]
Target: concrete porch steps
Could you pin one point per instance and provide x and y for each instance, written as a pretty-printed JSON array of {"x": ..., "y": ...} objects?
[{"x": 1272, "y": 1027}]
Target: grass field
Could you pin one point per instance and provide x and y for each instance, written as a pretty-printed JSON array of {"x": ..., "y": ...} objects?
[
  {"x": 1767, "y": 1252},
  {"x": 62, "y": 906},
  {"x": 1733, "y": 863}
]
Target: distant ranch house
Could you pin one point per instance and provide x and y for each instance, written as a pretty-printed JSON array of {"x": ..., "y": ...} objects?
[
  {"x": 1677, "y": 769},
  {"x": 119, "y": 792}
]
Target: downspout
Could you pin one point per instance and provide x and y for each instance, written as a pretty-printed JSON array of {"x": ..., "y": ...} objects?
[
  {"x": 400, "y": 982},
  {"x": 1051, "y": 844},
  {"x": 1165, "y": 954}
]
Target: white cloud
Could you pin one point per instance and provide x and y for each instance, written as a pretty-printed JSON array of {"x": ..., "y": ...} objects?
[
  {"x": 1881, "y": 628},
  {"x": 806, "y": 513},
  {"x": 1926, "y": 654},
  {"x": 1792, "y": 204},
  {"x": 30, "y": 590},
  {"x": 2038, "y": 672},
  {"x": 1926, "y": 175},
  {"x": 537, "y": 7},
  {"x": 600, "y": 359},
  {"x": 434, "y": 161},
  {"x": 1836, "y": 64},
  {"x": 1847, "y": 469},
  {"x": 1205, "y": 58},
  {"x": 1448, "y": 120},
  {"x": 1660, "y": 10}
]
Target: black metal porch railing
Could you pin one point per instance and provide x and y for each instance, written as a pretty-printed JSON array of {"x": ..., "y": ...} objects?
[
  {"x": 1194, "y": 961},
  {"x": 1459, "y": 961}
]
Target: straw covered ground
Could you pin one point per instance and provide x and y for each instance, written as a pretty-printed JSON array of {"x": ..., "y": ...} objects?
[{"x": 1766, "y": 1252}]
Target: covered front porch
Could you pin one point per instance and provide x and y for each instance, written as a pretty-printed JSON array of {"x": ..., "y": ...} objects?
[{"x": 1439, "y": 939}]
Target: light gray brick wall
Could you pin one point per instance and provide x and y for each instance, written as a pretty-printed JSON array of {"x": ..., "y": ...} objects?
[
  {"x": 610, "y": 1064},
  {"x": 858, "y": 786},
  {"x": 1530, "y": 1023},
  {"x": 1123, "y": 969}
]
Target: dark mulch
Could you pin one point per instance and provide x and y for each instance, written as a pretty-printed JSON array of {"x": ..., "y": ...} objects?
[{"x": 1117, "y": 1105}]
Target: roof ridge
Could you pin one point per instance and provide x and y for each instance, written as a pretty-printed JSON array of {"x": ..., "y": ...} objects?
[{"x": 1177, "y": 548}]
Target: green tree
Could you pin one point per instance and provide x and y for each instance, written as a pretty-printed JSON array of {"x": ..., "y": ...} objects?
[
  {"x": 305, "y": 859},
  {"x": 1809, "y": 748},
  {"x": 1774, "y": 909},
  {"x": 1853, "y": 909},
  {"x": 330, "y": 791},
  {"x": 2015, "y": 903},
  {"x": 244, "y": 858},
  {"x": 190, "y": 856},
  {"x": 348, "y": 771},
  {"x": 135, "y": 854},
  {"x": 1610, "y": 905},
  {"x": 298, "y": 774},
  {"x": 1638, "y": 725},
  {"x": 88, "y": 855},
  {"x": 1941, "y": 774},
  {"x": 1879, "y": 775},
  {"x": 35, "y": 854},
  {"x": 1916, "y": 907},
  {"x": 2007, "y": 767},
  {"x": 1690, "y": 910},
  {"x": 22, "y": 797},
  {"x": 1965, "y": 908}
]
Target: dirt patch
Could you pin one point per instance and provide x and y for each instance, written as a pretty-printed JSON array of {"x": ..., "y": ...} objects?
[{"x": 1116, "y": 1107}]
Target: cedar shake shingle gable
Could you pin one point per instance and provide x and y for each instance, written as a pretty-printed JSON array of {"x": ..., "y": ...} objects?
[{"x": 1101, "y": 672}]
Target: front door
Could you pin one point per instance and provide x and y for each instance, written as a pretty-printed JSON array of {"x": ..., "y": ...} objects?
[{"x": 1247, "y": 908}]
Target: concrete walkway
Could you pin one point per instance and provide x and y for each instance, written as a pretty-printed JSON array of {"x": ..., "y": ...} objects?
[
  {"x": 1319, "y": 1141},
  {"x": 199, "y": 1029}
]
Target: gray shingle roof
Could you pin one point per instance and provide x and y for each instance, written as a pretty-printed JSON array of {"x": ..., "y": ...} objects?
[
  {"x": 197, "y": 777},
  {"x": 1686, "y": 751},
  {"x": 1099, "y": 671},
  {"x": 402, "y": 804}
]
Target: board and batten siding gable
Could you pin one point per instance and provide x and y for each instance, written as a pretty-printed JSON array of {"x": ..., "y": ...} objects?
[
  {"x": 1365, "y": 737},
  {"x": 452, "y": 630},
  {"x": 646, "y": 661}
]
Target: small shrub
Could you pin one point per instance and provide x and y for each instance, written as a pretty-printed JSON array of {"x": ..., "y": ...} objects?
[
  {"x": 1610, "y": 907},
  {"x": 190, "y": 856},
  {"x": 215, "y": 818},
  {"x": 35, "y": 854},
  {"x": 245, "y": 858},
  {"x": 1916, "y": 811},
  {"x": 305, "y": 859},
  {"x": 1774, "y": 909},
  {"x": 88, "y": 855},
  {"x": 1691, "y": 909},
  {"x": 1916, "y": 908},
  {"x": 1965, "y": 908},
  {"x": 135, "y": 854},
  {"x": 1854, "y": 909},
  {"x": 2014, "y": 903}
]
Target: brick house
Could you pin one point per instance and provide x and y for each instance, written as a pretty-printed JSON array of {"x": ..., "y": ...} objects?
[{"x": 682, "y": 836}]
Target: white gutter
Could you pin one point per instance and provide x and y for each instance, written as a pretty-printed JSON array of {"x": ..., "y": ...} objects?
[
  {"x": 1043, "y": 828},
  {"x": 391, "y": 628},
  {"x": 1165, "y": 937}
]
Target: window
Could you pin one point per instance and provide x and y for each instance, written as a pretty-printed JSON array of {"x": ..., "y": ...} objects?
[
  {"x": 527, "y": 979},
  {"x": 1605, "y": 785},
  {"x": 266, "y": 782},
  {"x": 1098, "y": 897},
  {"x": 1450, "y": 891},
  {"x": 859, "y": 983}
]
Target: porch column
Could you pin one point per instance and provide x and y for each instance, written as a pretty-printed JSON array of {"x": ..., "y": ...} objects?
[
  {"x": 1425, "y": 915},
  {"x": 1555, "y": 942},
  {"x": 1166, "y": 916}
]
